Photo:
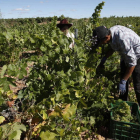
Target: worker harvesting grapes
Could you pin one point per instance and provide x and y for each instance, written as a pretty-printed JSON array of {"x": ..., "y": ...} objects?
[
  {"x": 127, "y": 43},
  {"x": 64, "y": 26}
]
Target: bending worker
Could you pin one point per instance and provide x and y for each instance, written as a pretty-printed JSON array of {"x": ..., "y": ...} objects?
[{"x": 127, "y": 43}]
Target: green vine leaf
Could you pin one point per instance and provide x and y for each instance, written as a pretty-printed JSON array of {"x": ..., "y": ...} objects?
[
  {"x": 4, "y": 68},
  {"x": 2, "y": 119},
  {"x": 47, "y": 135}
]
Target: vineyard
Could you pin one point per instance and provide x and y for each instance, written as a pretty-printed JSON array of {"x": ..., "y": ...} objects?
[{"x": 58, "y": 92}]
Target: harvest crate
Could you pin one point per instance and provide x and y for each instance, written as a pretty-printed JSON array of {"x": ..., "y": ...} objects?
[{"x": 124, "y": 130}]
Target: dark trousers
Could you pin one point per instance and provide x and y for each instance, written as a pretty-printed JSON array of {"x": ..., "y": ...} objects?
[{"x": 136, "y": 81}]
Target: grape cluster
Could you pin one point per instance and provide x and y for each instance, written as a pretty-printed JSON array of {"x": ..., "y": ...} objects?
[
  {"x": 122, "y": 112},
  {"x": 9, "y": 113}
]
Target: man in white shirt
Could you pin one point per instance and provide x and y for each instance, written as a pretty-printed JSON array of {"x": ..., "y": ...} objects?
[
  {"x": 64, "y": 26},
  {"x": 127, "y": 43}
]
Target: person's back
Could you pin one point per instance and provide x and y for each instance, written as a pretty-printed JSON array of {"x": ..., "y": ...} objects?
[
  {"x": 126, "y": 42},
  {"x": 123, "y": 33}
]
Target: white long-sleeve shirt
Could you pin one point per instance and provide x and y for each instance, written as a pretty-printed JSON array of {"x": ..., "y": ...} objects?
[{"x": 71, "y": 35}]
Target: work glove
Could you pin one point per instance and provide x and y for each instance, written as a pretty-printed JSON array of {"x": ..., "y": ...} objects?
[{"x": 122, "y": 87}]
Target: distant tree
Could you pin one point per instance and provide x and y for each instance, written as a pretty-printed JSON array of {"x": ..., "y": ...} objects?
[
  {"x": 38, "y": 20},
  {"x": 49, "y": 19},
  {"x": 61, "y": 17}
]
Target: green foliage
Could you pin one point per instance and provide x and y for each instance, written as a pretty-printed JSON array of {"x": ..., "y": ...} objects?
[
  {"x": 96, "y": 15},
  {"x": 12, "y": 131},
  {"x": 65, "y": 95}
]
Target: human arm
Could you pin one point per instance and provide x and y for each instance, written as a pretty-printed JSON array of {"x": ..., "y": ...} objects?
[
  {"x": 128, "y": 54},
  {"x": 108, "y": 54},
  {"x": 128, "y": 72}
]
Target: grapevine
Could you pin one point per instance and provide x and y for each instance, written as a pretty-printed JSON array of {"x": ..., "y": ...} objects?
[{"x": 64, "y": 96}]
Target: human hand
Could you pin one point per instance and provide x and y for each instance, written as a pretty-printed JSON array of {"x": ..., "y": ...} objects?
[{"x": 122, "y": 87}]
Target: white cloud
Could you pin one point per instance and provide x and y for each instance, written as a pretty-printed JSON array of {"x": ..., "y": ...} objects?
[
  {"x": 18, "y": 9},
  {"x": 41, "y": 2},
  {"x": 73, "y": 10},
  {"x": 21, "y": 9},
  {"x": 28, "y": 6},
  {"x": 26, "y": 10},
  {"x": 62, "y": 10}
]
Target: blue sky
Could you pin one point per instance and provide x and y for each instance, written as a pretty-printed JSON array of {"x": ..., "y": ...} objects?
[{"x": 69, "y": 8}]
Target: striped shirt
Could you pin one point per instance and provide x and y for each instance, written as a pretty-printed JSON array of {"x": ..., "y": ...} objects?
[{"x": 127, "y": 43}]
